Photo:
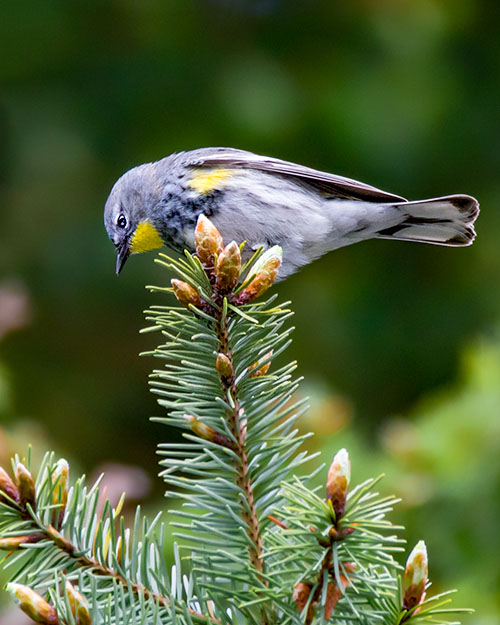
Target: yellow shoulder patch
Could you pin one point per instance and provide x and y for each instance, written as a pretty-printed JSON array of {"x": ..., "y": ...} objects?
[
  {"x": 146, "y": 237},
  {"x": 205, "y": 181}
]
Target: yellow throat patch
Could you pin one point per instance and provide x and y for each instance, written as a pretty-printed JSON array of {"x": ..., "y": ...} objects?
[
  {"x": 146, "y": 237},
  {"x": 205, "y": 181}
]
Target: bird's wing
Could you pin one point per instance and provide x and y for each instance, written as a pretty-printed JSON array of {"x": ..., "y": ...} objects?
[{"x": 337, "y": 186}]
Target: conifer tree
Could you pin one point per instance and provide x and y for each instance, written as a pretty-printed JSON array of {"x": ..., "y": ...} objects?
[{"x": 259, "y": 544}]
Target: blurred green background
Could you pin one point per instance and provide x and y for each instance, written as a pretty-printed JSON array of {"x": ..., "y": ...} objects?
[{"x": 398, "y": 342}]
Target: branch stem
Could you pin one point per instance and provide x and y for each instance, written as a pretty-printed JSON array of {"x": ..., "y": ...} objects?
[
  {"x": 237, "y": 426},
  {"x": 85, "y": 562},
  {"x": 326, "y": 565}
]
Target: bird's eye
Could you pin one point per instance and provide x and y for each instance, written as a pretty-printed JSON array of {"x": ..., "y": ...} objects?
[{"x": 121, "y": 222}]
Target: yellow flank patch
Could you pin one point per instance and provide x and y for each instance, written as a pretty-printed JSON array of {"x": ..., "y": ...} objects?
[
  {"x": 146, "y": 237},
  {"x": 205, "y": 181}
]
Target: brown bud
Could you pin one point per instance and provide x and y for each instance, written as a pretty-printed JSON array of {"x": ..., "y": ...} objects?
[
  {"x": 266, "y": 270},
  {"x": 185, "y": 293},
  {"x": 78, "y": 604},
  {"x": 333, "y": 594},
  {"x": 25, "y": 485},
  {"x": 415, "y": 577},
  {"x": 8, "y": 487},
  {"x": 346, "y": 531},
  {"x": 83, "y": 616},
  {"x": 228, "y": 268},
  {"x": 13, "y": 543},
  {"x": 301, "y": 592},
  {"x": 261, "y": 370},
  {"x": 349, "y": 567},
  {"x": 33, "y": 605},
  {"x": 208, "y": 240},
  {"x": 206, "y": 432},
  {"x": 337, "y": 484},
  {"x": 224, "y": 366},
  {"x": 60, "y": 479}
]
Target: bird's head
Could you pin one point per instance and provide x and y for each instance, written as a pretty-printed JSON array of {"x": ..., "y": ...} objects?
[{"x": 129, "y": 216}]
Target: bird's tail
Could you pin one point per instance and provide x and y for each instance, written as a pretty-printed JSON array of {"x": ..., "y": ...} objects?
[{"x": 441, "y": 221}]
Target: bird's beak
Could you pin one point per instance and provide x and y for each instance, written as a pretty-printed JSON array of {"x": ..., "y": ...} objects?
[{"x": 123, "y": 253}]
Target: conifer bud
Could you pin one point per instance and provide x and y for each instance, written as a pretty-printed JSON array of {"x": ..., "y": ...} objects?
[
  {"x": 415, "y": 577},
  {"x": 266, "y": 270},
  {"x": 334, "y": 591},
  {"x": 185, "y": 293},
  {"x": 261, "y": 370},
  {"x": 224, "y": 366},
  {"x": 79, "y": 606},
  {"x": 301, "y": 592},
  {"x": 33, "y": 605},
  {"x": 25, "y": 485},
  {"x": 333, "y": 594},
  {"x": 339, "y": 476},
  {"x": 228, "y": 268},
  {"x": 60, "y": 479},
  {"x": 206, "y": 432},
  {"x": 8, "y": 487},
  {"x": 208, "y": 240}
]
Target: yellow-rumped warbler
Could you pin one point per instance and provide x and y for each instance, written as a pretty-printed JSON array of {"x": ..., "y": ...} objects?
[{"x": 267, "y": 201}]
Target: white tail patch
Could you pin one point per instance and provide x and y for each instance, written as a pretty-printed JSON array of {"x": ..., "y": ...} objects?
[{"x": 442, "y": 221}]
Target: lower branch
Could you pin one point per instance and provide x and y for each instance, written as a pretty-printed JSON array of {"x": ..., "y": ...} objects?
[{"x": 83, "y": 561}]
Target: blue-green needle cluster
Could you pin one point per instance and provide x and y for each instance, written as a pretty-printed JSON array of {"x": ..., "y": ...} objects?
[
  {"x": 259, "y": 544},
  {"x": 238, "y": 423}
]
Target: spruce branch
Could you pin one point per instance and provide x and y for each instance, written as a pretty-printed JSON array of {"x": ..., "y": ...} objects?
[
  {"x": 81, "y": 545},
  {"x": 245, "y": 445},
  {"x": 303, "y": 551},
  {"x": 265, "y": 547}
]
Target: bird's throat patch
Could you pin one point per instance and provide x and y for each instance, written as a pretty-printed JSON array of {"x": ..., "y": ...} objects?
[
  {"x": 205, "y": 181},
  {"x": 146, "y": 237}
]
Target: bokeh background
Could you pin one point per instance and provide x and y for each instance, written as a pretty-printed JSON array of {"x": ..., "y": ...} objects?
[{"x": 398, "y": 342}]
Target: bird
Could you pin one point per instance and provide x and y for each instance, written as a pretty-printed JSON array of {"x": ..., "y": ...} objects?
[{"x": 266, "y": 201}]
